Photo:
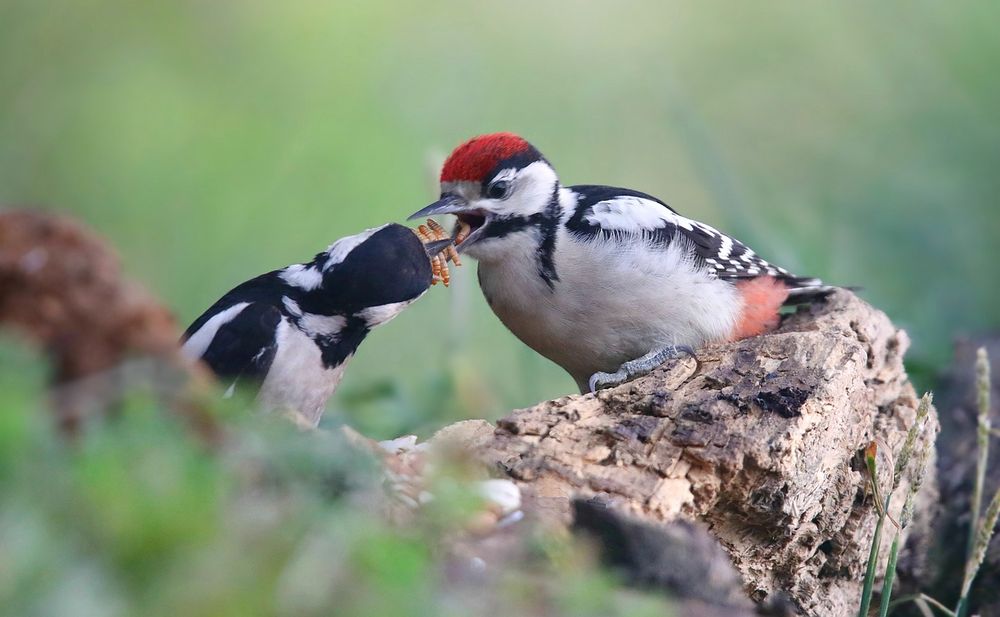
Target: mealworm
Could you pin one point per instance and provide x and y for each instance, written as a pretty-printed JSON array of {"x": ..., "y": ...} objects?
[
  {"x": 464, "y": 229},
  {"x": 452, "y": 254},
  {"x": 439, "y": 263}
]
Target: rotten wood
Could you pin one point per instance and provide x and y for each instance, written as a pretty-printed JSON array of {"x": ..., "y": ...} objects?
[{"x": 761, "y": 441}]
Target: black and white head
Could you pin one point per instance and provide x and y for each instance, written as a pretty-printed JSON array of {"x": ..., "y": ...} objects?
[
  {"x": 373, "y": 275},
  {"x": 501, "y": 189}
]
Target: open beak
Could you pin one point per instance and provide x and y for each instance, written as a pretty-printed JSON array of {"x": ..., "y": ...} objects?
[
  {"x": 448, "y": 204},
  {"x": 471, "y": 220},
  {"x": 435, "y": 247}
]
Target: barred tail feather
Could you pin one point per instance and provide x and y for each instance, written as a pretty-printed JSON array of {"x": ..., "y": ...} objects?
[{"x": 806, "y": 290}]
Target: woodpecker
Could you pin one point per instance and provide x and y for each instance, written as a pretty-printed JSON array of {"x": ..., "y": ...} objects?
[
  {"x": 606, "y": 282},
  {"x": 289, "y": 333}
]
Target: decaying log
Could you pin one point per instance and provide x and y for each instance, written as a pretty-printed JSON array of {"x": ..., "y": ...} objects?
[{"x": 762, "y": 440}]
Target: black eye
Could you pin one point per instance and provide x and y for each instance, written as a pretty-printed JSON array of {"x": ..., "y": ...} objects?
[{"x": 498, "y": 189}]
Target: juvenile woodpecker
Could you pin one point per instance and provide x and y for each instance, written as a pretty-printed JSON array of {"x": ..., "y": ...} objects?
[
  {"x": 606, "y": 282},
  {"x": 289, "y": 333}
]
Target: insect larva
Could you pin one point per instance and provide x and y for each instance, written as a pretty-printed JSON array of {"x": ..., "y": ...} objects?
[
  {"x": 452, "y": 254},
  {"x": 439, "y": 263},
  {"x": 464, "y": 229}
]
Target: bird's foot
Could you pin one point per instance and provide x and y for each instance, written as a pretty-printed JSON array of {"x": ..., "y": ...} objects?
[{"x": 639, "y": 367}]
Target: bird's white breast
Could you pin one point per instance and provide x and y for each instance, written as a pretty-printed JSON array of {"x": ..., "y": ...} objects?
[
  {"x": 297, "y": 379},
  {"x": 614, "y": 301}
]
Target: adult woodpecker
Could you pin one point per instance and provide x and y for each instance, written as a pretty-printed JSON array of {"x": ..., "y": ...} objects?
[
  {"x": 290, "y": 332},
  {"x": 606, "y": 282}
]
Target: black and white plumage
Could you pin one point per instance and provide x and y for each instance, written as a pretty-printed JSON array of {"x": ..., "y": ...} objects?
[
  {"x": 619, "y": 213},
  {"x": 604, "y": 281},
  {"x": 290, "y": 332}
]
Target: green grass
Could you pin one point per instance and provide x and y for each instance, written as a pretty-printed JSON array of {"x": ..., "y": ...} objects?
[{"x": 982, "y": 524}]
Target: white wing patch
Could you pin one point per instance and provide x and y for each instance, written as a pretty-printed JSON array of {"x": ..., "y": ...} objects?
[
  {"x": 198, "y": 343},
  {"x": 378, "y": 315},
  {"x": 635, "y": 214},
  {"x": 632, "y": 214},
  {"x": 723, "y": 255}
]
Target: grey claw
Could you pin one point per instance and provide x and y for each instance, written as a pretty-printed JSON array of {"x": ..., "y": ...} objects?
[
  {"x": 688, "y": 350},
  {"x": 639, "y": 366},
  {"x": 600, "y": 381}
]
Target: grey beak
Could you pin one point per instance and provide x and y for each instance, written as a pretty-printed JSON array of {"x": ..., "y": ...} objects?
[
  {"x": 435, "y": 247},
  {"x": 448, "y": 204}
]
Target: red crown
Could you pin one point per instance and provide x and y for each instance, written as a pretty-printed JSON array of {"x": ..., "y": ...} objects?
[{"x": 477, "y": 157}]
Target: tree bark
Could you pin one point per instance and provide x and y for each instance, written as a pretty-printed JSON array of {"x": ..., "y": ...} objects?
[{"x": 761, "y": 439}]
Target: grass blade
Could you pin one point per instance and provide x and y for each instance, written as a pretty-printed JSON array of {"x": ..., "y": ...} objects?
[
  {"x": 907, "y": 515},
  {"x": 866, "y": 592},
  {"x": 983, "y": 537},
  {"x": 977, "y": 530},
  {"x": 982, "y": 440},
  {"x": 890, "y": 576},
  {"x": 922, "y": 599},
  {"x": 911, "y": 438}
]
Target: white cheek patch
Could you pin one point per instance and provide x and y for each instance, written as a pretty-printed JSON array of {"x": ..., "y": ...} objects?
[
  {"x": 378, "y": 315},
  {"x": 322, "y": 325},
  {"x": 530, "y": 194}
]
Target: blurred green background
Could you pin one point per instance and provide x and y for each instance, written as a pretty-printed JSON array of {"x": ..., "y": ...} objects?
[{"x": 215, "y": 140}]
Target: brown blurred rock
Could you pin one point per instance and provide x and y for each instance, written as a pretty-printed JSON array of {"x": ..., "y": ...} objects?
[
  {"x": 762, "y": 442},
  {"x": 62, "y": 288}
]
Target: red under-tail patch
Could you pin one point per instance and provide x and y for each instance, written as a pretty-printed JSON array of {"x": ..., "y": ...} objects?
[
  {"x": 477, "y": 157},
  {"x": 762, "y": 299}
]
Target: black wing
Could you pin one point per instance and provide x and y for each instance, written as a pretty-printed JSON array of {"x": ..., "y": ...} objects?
[
  {"x": 267, "y": 288},
  {"x": 626, "y": 214},
  {"x": 243, "y": 347}
]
